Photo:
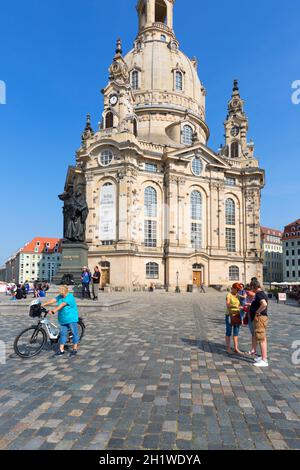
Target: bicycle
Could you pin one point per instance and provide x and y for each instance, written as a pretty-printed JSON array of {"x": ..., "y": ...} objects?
[{"x": 30, "y": 342}]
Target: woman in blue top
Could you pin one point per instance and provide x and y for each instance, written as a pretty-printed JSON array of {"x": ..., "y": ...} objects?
[{"x": 67, "y": 317}]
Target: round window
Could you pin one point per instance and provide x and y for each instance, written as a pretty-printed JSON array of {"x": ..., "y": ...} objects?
[
  {"x": 197, "y": 166},
  {"x": 106, "y": 157}
]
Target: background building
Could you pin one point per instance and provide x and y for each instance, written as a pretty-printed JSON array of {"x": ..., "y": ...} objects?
[
  {"x": 162, "y": 203},
  {"x": 271, "y": 241},
  {"x": 39, "y": 260},
  {"x": 291, "y": 252},
  {"x": 2, "y": 273}
]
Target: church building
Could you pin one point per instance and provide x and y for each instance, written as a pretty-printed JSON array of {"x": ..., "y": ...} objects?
[{"x": 164, "y": 208}]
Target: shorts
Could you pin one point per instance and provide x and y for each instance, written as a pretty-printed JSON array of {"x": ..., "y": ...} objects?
[{"x": 260, "y": 328}]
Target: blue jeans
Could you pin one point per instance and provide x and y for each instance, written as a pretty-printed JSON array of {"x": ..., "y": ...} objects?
[
  {"x": 251, "y": 325},
  {"x": 64, "y": 331},
  {"x": 229, "y": 327}
]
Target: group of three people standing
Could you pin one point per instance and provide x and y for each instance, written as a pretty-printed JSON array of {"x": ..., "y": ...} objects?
[
  {"x": 248, "y": 306},
  {"x": 86, "y": 279}
]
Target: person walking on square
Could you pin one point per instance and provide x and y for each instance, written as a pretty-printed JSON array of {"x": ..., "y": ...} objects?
[
  {"x": 85, "y": 281},
  {"x": 233, "y": 318},
  {"x": 96, "y": 282},
  {"x": 260, "y": 319},
  {"x": 202, "y": 289},
  {"x": 68, "y": 317}
]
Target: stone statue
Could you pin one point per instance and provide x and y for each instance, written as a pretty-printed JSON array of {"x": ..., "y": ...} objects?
[{"x": 75, "y": 214}]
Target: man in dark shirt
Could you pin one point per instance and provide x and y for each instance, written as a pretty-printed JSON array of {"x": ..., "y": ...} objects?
[
  {"x": 96, "y": 282},
  {"x": 259, "y": 316}
]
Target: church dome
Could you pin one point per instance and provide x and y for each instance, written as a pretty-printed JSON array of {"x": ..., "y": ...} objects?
[
  {"x": 165, "y": 76},
  {"x": 165, "y": 82}
]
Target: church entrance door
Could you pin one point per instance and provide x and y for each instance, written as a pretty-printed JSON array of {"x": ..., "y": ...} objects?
[
  {"x": 105, "y": 274},
  {"x": 197, "y": 278}
]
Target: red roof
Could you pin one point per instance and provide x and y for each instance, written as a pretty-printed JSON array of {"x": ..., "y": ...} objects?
[
  {"x": 271, "y": 231},
  {"x": 293, "y": 223},
  {"x": 43, "y": 245}
]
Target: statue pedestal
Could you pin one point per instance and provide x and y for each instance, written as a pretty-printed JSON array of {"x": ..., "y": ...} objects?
[{"x": 74, "y": 257}]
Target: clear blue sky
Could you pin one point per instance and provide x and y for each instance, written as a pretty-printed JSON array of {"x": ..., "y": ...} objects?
[{"x": 55, "y": 57}]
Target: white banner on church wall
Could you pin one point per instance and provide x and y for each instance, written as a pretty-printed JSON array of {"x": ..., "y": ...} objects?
[{"x": 107, "y": 231}]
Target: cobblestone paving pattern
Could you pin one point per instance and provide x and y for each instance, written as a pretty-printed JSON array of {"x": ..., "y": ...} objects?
[{"x": 153, "y": 376}]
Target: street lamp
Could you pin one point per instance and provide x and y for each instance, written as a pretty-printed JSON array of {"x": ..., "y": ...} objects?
[{"x": 177, "y": 286}]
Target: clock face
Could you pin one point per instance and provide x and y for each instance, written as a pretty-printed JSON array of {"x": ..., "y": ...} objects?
[
  {"x": 235, "y": 131},
  {"x": 113, "y": 100}
]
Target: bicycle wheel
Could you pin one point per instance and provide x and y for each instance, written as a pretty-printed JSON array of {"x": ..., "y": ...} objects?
[{"x": 30, "y": 342}]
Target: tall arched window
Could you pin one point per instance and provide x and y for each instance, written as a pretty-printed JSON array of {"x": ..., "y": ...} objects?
[
  {"x": 187, "y": 135},
  {"x": 196, "y": 218},
  {"x": 109, "y": 120},
  {"x": 230, "y": 212},
  {"x": 230, "y": 221},
  {"x": 235, "y": 150},
  {"x": 150, "y": 202},
  {"x": 135, "y": 80},
  {"x": 178, "y": 81},
  {"x": 150, "y": 226},
  {"x": 234, "y": 273}
]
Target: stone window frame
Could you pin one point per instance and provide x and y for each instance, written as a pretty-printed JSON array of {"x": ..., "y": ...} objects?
[
  {"x": 183, "y": 126},
  {"x": 200, "y": 161},
  {"x": 152, "y": 270},
  {"x": 235, "y": 150},
  {"x": 234, "y": 273},
  {"x": 154, "y": 216},
  {"x": 136, "y": 70},
  {"x": 196, "y": 217},
  {"x": 175, "y": 71}
]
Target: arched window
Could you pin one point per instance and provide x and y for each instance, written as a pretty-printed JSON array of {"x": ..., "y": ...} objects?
[
  {"x": 196, "y": 217},
  {"x": 234, "y": 273},
  {"x": 230, "y": 212},
  {"x": 160, "y": 11},
  {"x": 152, "y": 271},
  {"x": 196, "y": 206},
  {"x": 109, "y": 120},
  {"x": 150, "y": 202},
  {"x": 235, "y": 150},
  {"x": 178, "y": 81},
  {"x": 135, "y": 80},
  {"x": 187, "y": 135},
  {"x": 150, "y": 225},
  {"x": 135, "y": 128}
]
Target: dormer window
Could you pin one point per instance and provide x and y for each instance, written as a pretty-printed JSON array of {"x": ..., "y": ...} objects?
[
  {"x": 187, "y": 135},
  {"x": 163, "y": 38},
  {"x": 135, "y": 80},
  {"x": 178, "y": 80}
]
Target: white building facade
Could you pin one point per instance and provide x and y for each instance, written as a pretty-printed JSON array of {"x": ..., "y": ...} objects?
[{"x": 38, "y": 260}]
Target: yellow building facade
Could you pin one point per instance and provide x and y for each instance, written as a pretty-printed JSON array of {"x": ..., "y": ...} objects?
[{"x": 164, "y": 208}]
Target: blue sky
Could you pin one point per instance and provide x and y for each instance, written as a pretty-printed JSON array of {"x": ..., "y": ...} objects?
[{"x": 54, "y": 60}]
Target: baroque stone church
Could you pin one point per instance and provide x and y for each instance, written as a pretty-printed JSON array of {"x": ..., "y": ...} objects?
[{"x": 164, "y": 208}]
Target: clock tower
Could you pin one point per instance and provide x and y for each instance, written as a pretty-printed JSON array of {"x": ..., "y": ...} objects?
[
  {"x": 236, "y": 128},
  {"x": 118, "y": 97}
]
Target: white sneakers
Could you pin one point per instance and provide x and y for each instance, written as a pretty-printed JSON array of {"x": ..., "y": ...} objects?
[{"x": 260, "y": 363}]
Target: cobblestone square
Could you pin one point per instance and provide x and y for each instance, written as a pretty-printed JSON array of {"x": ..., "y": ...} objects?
[{"x": 154, "y": 375}]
